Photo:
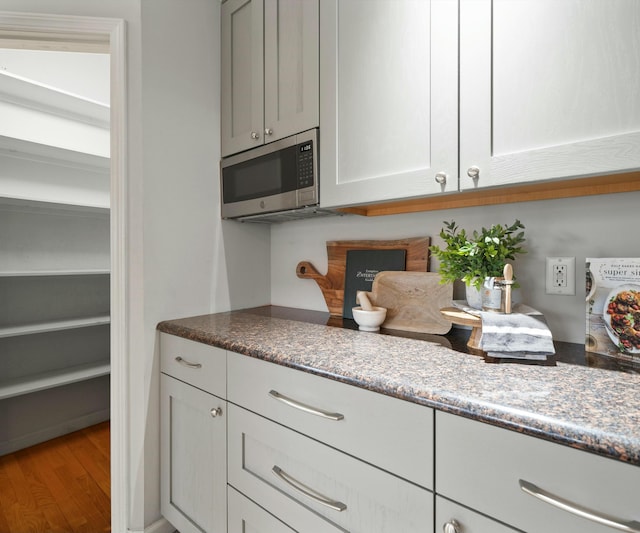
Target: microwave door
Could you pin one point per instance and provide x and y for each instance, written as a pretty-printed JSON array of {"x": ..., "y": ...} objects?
[{"x": 260, "y": 184}]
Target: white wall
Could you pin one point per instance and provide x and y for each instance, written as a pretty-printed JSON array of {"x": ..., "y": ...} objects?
[
  {"x": 192, "y": 263},
  {"x": 181, "y": 259},
  {"x": 51, "y": 239},
  {"x": 596, "y": 226}
]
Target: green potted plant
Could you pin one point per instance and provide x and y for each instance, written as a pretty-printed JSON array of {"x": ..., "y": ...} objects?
[{"x": 474, "y": 256}]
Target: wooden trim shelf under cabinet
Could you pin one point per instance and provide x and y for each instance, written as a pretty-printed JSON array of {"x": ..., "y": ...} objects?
[{"x": 553, "y": 190}]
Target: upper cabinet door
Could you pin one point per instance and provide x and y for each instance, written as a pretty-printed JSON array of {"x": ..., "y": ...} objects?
[
  {"x": 242, "y": 76},
  {"x": 291, "y": 57},
  {"x": 388, "y": 99},
  {"x": 270, "y": 57},
  {"x": 548, "y": 89}
]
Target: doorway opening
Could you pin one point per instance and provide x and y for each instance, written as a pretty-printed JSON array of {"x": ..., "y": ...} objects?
[{"x": 73, "y": 206}]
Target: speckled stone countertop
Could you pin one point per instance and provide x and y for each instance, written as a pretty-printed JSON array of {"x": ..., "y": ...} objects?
[{"x": 594, "y": 409}]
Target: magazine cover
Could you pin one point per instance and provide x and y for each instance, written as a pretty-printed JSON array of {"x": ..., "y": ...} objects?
[{"x": 613, "y": 307}]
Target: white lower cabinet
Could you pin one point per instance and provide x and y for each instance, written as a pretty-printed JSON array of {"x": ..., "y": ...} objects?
[
  {"x": 246, "y": 517},
  {"x": 392, "y": 434},
  {"x": 193, "y": 438},
  {"x": 321, "y": 455},
  {"x": 313, "y": 487},
  {"x": 250, "y": 446},
  {"x": 454, "y": 518},
  {"x": 531, "y": 484}
]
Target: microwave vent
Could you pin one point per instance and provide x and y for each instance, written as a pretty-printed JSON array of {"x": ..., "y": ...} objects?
[{"x": 288, "y": 216}]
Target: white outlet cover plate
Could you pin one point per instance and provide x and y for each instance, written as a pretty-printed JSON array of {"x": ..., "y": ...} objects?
[{"x": 570, "y": 263}]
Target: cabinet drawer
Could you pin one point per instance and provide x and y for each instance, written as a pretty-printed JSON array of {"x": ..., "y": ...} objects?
[
  {"x": 245, "y": 516},
  {"x": 198, "y": 364},
  {"x": 393, "y": 434},
  {"x": 481, "y": 466},
  {"x": 467, "y": 521},
  {"x": 268, "y": 461}
]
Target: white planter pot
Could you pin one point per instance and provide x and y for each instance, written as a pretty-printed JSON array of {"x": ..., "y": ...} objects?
[
  {"x": 489, "y": 299},
  {"x": 474, "y": 297},
  {"x": 492, "y": 295}
]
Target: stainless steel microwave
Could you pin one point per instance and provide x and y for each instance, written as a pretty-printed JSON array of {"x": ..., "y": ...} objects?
[{"x": 278, "y": 177}]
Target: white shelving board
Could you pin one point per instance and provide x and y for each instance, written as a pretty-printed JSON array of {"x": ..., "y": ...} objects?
[
  {"x": 35, "y": 174},
  {"x": 55, "y": 181},
  {"x": 53, "y": 205},
  {"x": 36, "y": 112},
  {"x": 58, "y": 325},
  {"x": 32, "y": 94},
  {"x": 57, "y": 378},
  {"x": 53, "y": 273}
]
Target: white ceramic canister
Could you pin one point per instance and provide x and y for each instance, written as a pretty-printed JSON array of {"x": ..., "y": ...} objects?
[{"x": 492, "y": 295}]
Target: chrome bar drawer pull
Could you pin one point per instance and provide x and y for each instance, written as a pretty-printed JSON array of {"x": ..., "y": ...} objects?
[
  {"x": 307, "y": 491},
  {"x": 578, "y": 510},
  {"x": 186, "y": 363},
  {"x": 304, "y": 407}
]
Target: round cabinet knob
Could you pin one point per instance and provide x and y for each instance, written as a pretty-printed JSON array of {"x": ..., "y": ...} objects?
[
  {"x": 255, "y": 135},
  {"x": 473, "y": 172},
  {"x": 268, "y": 131},
  {"x": 451, "y": 527},
  {"x": 441, "y": 178},
  {"x": 216, "y": 411}
]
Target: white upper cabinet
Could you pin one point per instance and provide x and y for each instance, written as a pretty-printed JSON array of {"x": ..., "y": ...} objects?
[
  {"x": 242, "y": 104},
  {"x": 548, "y": 89},
  {"x": 269, "y": 71},
  {"x": 291, "y": 77},
  {"x": 388, "y": 99}
]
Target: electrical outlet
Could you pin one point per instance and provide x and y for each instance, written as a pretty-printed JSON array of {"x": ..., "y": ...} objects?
[{"x": 561, "y": 275}]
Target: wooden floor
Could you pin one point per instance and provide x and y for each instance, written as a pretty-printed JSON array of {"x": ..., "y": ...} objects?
[{"x": 60, "y": 486}]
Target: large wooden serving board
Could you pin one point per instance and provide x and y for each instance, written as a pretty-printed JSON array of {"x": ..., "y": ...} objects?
[
  {"x": 332, "y": 283},
  {"x": 413, "y": 301}
]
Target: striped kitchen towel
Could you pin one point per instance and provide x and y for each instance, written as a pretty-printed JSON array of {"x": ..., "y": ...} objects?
[{"x": 523, "y": 334}]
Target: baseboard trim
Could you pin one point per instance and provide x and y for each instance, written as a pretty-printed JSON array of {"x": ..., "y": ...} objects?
[
  {"x": 159, "y": 526},
  {"x": 52, "y": 432}
]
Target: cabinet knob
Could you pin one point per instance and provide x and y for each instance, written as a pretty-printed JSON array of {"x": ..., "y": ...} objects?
[
  {"x": 216, "y": 411},
  {"x": 451, "y": 526},
  {"x": 473, "y": 172},
  {"x": 268, "y": 131},
  {"x": 441, "y": 178},
  {"x": 255, "y": 135}
]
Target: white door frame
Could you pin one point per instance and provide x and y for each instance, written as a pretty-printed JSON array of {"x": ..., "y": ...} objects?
[{"x": 82, "y": 34}]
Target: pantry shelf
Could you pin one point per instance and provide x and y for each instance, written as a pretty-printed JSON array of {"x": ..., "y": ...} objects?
[
  {"x": 57, "y": 378},
  {"x": 57, "y": 325}
]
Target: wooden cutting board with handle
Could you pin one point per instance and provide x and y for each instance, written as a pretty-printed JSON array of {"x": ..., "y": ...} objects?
[
  {"x": 413, "y": 301},
  {"x": 332, "y": 283}
]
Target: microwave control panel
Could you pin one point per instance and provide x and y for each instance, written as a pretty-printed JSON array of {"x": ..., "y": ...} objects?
[{"x": 305, "y": 165}]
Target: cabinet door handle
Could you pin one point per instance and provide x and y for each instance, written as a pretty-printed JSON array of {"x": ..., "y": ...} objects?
[
  {"x": 576, "y": 509},
  {"x": 186, "y": 363},
  {"x": 451, "y": 526},
  {"x": 304, "y": 407},
  {"x": 307, "y": 491}
]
